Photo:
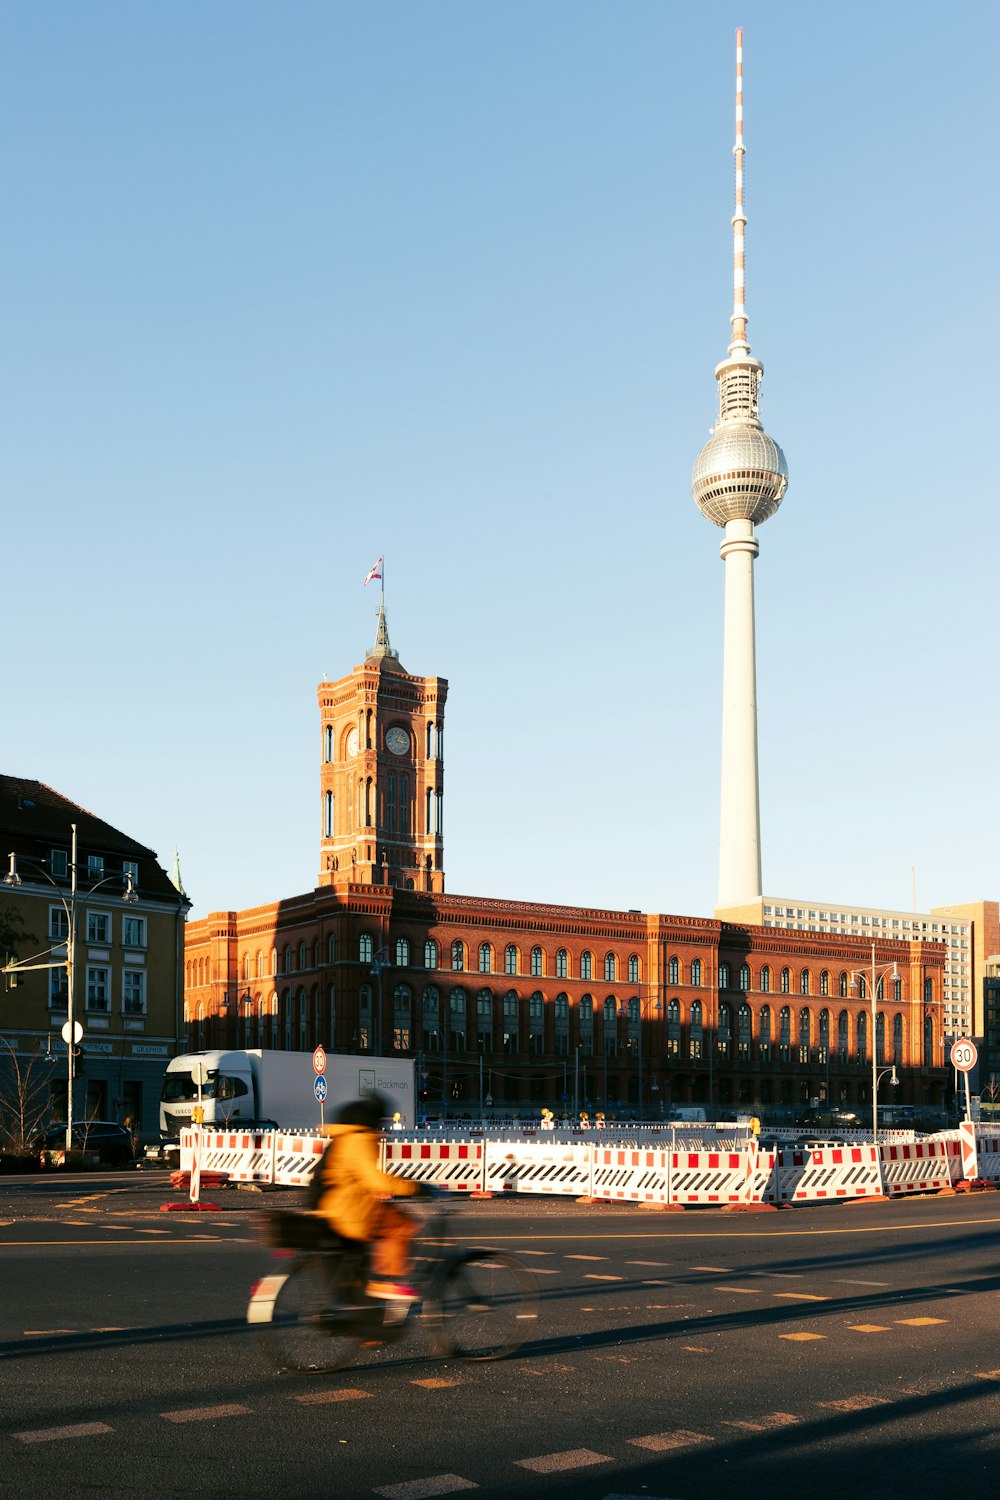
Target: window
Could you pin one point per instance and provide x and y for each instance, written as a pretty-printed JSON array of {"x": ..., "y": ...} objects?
[
  {"x": 765, "y": 980},
  {"x": 744, "y": 976},
  {"x": 458, "y": 954},
  {"x": 95, "y": 867},
  {"x": 785, "y": 1034},
  {"x": 696, "y": 971},
  {"x": 843, "y": 1037},
  {"x": 723, "y": 976},
  {"x": 98, "y": 927},
  {"x": 764, "y": 1033},
  {"x": 484, "y": 1019},
  {"x": 134, "y": 932},
  {"x": 842, "y": 986},
  {"x": 59, "y": 864},
  {"x": 744, "y": 1023},
  {"x": 430, "y": 954},
  {"x": 98, "y": 988},
  {"x": 302, "y": 957},
  {"x": 610, "y": 968},
  {"x": 786, "y": 981},
  {"x": 824, "y": 982},
  {"x": 485, "y": 959},
  {"x": 328, "y": 743},
  {"x": 58, "y": 923},
  {"x": 586, "y": 966},
  {"x": 401, "y": 1000},
  {"x": 510, "y": 1022},
  {"x": 804, "y": 982},
  {"x": 328, "y": 815},
  {"x": 696, "y": 1031},
  {"x": 674, "y": 1028},
  {"x": 633, "y": 969},
  {"x": 510, "y": 959},
  {"x": 673, "y": 971},
  {"x": 58, "y": 989},
  {"x": 610, "y": 1027},
  {"x": 562, "y": 964},
  {"x": 805, "y": 1035},
  {"x": 402, "y": 953},
  {"x": 134, "y": 992},
  {"x": 536, "y": 962},
  {"x": 366, "y": 948},
  {"x": 724, "y": 1034}
]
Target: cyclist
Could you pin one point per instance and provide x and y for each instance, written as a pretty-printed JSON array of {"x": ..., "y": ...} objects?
[{"x": 351, "y": 1195}]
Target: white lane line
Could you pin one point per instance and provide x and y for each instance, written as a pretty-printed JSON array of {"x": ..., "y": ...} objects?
[
  {"x": 657, "y": 1263},
  {"x": 53, "y": 1434},
  {"x": 586, "y": 1257},
  {"x": 849, "y": 1281},
  {"x": 536, "y": 1252},
  {"x": 425, "y": 1489},
  {"x": 716, "y": 1270},
  {"x": 800, "y": 1297},
  {"x": 555, "y": 1463},
  {"x": 206, "y": 1413},
  {"x": 597, "y": 1276},
  {"x": 741, "y": 1291},
  {"x": 662, "y": 1442}
]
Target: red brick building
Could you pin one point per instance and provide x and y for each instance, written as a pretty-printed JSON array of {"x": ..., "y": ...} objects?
[{"x": 526, "y": 1004}]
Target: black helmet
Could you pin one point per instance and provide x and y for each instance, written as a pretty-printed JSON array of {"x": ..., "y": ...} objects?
[{"x": 369, "y": 1111}]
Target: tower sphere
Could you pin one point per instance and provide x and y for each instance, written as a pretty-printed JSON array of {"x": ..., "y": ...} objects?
[{"x": 739, "y": 475}]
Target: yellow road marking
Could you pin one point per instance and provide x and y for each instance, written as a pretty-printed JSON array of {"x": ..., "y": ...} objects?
[
  {"x": 435, "y": 1383},
  {"x": 800, "y": 1297},
  {"x": 662, "y": 1442},
  {"x": 855, "y": 1403},
  {"x": 310, "y": 1398},
  {"x": 868, "y": 1327},
  {"x": 920, "y": 1322},
  {"x": 799, "y": 1338}
]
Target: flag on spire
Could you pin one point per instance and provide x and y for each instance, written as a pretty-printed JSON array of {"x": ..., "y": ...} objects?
[{"x": 375, "y": 571}]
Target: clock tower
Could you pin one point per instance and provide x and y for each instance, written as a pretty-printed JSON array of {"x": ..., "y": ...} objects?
[{"x": 382, "y": 774}]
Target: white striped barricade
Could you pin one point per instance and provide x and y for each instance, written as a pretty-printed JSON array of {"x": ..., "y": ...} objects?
[
  {"x": 296, "y": 1158},
  {"x": 455, "y": 1165},
  {"x": 706, "y": 1177},
  {"x": 630, "y": 1175},
  {"x": 920, "y": 1167},
  {"x": 828, "y": 1175},
  {"x": 987, "y": 1157},
  {"x": 537, "y": 1167},
  {"x": 240, "y": 1155}
]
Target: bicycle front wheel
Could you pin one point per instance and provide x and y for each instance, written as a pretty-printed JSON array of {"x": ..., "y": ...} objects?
[
  {"x": 299, "y": 1332},
  {"x": 487, "y": 1305}
]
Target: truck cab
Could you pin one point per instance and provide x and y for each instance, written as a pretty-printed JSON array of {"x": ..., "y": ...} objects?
[{"x": 221, "y": 1083}]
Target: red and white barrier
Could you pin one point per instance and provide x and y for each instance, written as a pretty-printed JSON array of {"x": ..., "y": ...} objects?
[
  {"x": 538, "y": 1167},
  {"x": 455, "y": 1165},
  {"x": 919, "y": 1168},
  {"x": 704, "y": 1177},
  {"x": 822, "y": 1176},
  {"x": 621, "y": 1175}
]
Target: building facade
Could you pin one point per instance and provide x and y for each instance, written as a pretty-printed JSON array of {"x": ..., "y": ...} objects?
[{"x": 112, "y": 922}]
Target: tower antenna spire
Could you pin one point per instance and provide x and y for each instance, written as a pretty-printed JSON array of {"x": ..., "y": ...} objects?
[{"x": 739, "y": 344}]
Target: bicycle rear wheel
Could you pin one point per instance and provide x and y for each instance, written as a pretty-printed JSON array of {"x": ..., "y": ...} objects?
[
  {"x": 299, "y": 1334},
  {"x": 487, "y": 1305}
]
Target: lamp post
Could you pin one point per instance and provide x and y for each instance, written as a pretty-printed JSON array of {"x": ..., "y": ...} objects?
[
  {"x": 379, "y": 962},
  {"x": 241, "y": 997},
  {"x": 643, "y": 1007},
  {"x": 129, "y": 894},
  {"x": 877, "y": 976}
]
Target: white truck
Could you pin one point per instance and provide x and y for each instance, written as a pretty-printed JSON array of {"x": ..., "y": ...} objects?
[{"x": 277, "y": 1088}]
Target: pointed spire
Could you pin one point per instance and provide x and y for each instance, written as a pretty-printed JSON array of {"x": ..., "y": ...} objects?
[
  {"x": 381, "y": 647},
  {"x": 740, "y": 344},
  {"x": 175, "y": 876}
]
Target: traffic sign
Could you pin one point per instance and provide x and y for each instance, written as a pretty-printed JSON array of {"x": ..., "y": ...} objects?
[
  {"x": 319, "y": 1088},
  {"x": 77, "y": 1030},
  {"x": 964, "y": 1055},
  {"x": 319, "y": 1060}
]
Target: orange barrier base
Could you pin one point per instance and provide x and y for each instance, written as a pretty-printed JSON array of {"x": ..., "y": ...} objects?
[
  {"x": 190, "y": 1208},
  {"x": 750, "y": 1208}
]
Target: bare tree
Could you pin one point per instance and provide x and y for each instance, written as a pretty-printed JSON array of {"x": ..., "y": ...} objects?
[{"x": 24, "y": 1096}]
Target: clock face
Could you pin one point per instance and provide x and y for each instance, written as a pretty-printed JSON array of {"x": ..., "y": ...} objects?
[
  {"x": 352, "y": 742},
  {"x": 398, "y": 741}
]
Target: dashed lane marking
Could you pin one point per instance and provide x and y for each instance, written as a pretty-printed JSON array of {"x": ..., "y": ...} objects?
[
  {"x": 715, "y": 1270},
  {"x": 599, "y": 1276},
  {"x": 988, "y": 1374},
  {"x": 586, "y": 1257},
  {"x": 45, "y": 1333},
  {"x": 556, "y": 1463},
  {"x": 854, "y": 1403},
  {"x": 801, "y": 1297},
  {"x": 53, "y": 1434},
  {"x": 317, "y": 1398},
  {"x": 800, "y": 1338},
  {"x": 206, "y": 1413},
  {"x": 435, "y": 1383},
  {"x": 868, "y": 1327},
  {"x": 853, "y": 1281},
  {"x": 920, "y": 1322},
  {"x": 538, "y": 1252},
  {"x": 776, "y": 1419},
  {"x": 426, "y": 1489},
  {"x": 741, "y": 1291},
  {"x": 657, "y": 1264},
  {"x": 663, "y": 1442}
]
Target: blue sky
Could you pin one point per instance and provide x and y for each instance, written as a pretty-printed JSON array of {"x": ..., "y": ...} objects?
[{"x": 287, "y": 287}]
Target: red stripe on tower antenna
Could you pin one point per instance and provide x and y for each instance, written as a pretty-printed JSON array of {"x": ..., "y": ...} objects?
[{"x": 739, "y": 318}]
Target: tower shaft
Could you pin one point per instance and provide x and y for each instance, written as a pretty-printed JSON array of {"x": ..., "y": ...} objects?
[{"x": 739, "y": 822}]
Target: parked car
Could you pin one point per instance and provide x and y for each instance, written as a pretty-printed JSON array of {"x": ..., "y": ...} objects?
[{"x": 111, "y": 1142}]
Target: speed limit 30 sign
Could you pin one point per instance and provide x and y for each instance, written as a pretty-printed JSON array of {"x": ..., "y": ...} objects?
[{"x": 964, "y": 1055}]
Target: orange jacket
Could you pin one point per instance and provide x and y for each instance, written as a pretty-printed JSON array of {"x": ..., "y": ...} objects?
[{"x": 352, "y": 1183}]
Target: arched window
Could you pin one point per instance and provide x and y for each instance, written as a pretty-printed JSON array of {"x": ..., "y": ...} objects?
[
  {"x": 401, "y": 1001},
  {"x": 633, "y": 968},
  {"x": 430, "y": 954},
  {"x": 897, "y": 989},
  {"x": 536, "y": 962},
  {"x": 673, "y": 971},
  {"x": 724, "y": 1035},
  {"x": 765, "y": 980},
  {"x": 510, "y": 959},
  {"x": 484, "y": 1020},
  {"x": 805, "y": 1035},
  {"x": 928, "y": 1041},
  {"x": 328, "y": 815},
  {"x": 880, "y": 1038},
  {"x": 302, "y": 957},
  {"x": 786, "y": 981},
  {"x": 696, "y": 971},
  {"x": 456, "y": 1020},
  {"x": 744, "y": 1031},
  {"x": 402, "y": 953},
  {"x": 824, "y": 982},
  {"x": 723, "y": 976},
  {"x": 862, "y": 988},
  {"x": 824, "y": 1036},
  {"x": 785, "y": 1034},
  {"x": 458, "y": 954},
  {"x": 928, "y": 991},
  {"x": 485, "y": 958},
  {"x": 842, "y": 985},
  {"x": 288, "y": 959},
  {"x": 696, "y": 1034},
  {"x": 586, "y": 1014},
  {"x": 366, "y": 948},
  {"x": 511, "y": 1023},
  {"x": 674, "y": 1028},
  {"x": 561, "y": 1011},
  {"x": 843, "y": 1037},
  {"x": 804, "y": 982},
  {"x": 610, "y": 1027},
  {"x": 328, "y": 743},
  {"x": 610, "y": 968},
  {"x": 764, "y": 1033},
  {"x": 862, "y": 1037},
  {"x": 897, "y": 1040},
  {"x": 432, "y": 1018},
  {"x": 562, "y": 964},
  {"x": 586, "y": 966},
  {"x": 744, "y": 976}
]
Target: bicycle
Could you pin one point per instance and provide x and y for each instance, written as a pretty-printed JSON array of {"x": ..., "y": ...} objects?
[{"x": 474, "y": 1303}]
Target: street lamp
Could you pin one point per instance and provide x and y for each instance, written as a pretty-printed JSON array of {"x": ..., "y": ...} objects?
[
  {"x": 877, "y": 976},
  {"x": 129, "y": 894},
  {"x": 243, "y": 997}
]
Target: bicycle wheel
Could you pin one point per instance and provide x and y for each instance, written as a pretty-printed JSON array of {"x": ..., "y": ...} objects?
[
  {"x": 298, "y": 1332},
  {"x": 486, "y": 1301}
]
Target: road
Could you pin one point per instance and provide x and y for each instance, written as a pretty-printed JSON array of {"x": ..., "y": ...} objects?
[{"x": 817, "y": 1352}]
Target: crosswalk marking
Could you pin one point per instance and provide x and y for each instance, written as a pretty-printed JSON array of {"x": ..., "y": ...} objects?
[
  {"x": 206, "y": 1413},
  {"x": 663, "y": 1442},
  {"x": 572, "y": 1458},
  {"x": 426, "y": 1489},
  {"x": 346, "y": 1393},
  {"x": 53, "y": 1434}
]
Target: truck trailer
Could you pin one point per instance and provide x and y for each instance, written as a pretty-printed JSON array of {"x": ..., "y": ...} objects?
[{"x": 263, "y": 1088}]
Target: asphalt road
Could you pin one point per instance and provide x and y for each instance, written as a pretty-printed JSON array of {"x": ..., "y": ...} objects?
[{"x": 816, "y": 1353}]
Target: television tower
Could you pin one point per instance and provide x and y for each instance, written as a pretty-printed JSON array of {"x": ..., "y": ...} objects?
[{"x": 739, "y": 479}]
